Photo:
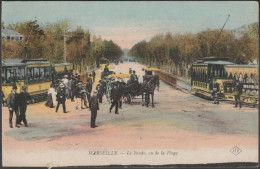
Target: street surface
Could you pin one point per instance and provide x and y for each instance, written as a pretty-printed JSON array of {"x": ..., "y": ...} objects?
[{"x": 199, "y": 131}]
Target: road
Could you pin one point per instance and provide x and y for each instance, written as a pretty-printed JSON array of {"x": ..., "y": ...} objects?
[{"x": 195, "y": 129}]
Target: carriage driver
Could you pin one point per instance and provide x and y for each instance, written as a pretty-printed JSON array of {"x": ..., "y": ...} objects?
[{"x": 133, "y": 76}]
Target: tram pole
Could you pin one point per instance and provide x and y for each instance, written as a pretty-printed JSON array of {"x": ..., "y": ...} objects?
[
  {"x": 65, "y": 48},
  {"x": 219, "y": 35}
]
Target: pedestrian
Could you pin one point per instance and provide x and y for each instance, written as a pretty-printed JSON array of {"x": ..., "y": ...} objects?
[
  {"x": 82, "y": 92},
  {"x": 51, "y": 101},
  {"x": 61, "y": 98},
  {"x": 93, "y": 75},
  {"x": 106, "y": 70},
  {"x": 90, "y": 79},
  {"x": 115, "y": 96},
  {"x": 101, "y": 90},
  {"x": 94, "y": 107},
  {"x": 12, "y": 103},
  {"x": 23, "y": 99},
  {"x": 69, "y": 88},
  {"x": 88, "y": 89},
  {"x": 65, "y": 81},
  {"x": 73, "y": 88},
  {"x": 215, "y": 93},
  {"x": 3, "y": 97},
  {"x": 238, "y": 92}
]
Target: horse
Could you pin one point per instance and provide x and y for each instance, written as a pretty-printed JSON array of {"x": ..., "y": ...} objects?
[{"x": 150, "y": 85}]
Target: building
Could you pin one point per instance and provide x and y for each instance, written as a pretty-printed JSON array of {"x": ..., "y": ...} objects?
[{"x": 11, "y": 35}]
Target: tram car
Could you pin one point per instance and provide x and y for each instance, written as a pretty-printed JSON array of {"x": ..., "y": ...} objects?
[
  {"x": 103, "y": 62},
  {"x": 206, "y": 72},
  {"x": 34, "y": 73},
  {"x": 60, "y": 69},
  {"x": 247, "y": 75}
]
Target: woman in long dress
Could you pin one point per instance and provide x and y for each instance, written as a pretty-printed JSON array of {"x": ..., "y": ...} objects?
[{"x": 53, "y": 95}]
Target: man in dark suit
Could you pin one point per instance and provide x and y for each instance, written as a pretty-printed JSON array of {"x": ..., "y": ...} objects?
[
  {"x": 89, "y": 89},
  {"x": 12, "y": 103},
  {"x": 238, "y": 92},
  {"x": 23, "y": 99},
  {"x": 94, "y": 107},
  {"x": 61, "y": 98},
  {"x": 116, "y": 95}
]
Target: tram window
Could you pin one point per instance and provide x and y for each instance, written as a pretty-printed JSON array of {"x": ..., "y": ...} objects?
[
  {"x": 36, "y": 74},
  {"x": 10, "y": 75},
  {"x": 41, "y": 74},
  {"x": 47, "y": 73},
  {"x": 3, "y": 76},
  {"x": 30, "y": 75},
  {"x": 20, "y": 74}
]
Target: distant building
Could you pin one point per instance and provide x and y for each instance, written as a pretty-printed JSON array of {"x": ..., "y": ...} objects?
[{"x": 11, "y": 35}]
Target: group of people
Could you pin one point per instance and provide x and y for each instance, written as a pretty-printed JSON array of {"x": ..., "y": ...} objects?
[
  {"x": 72, "y": 88},
  {"x": 17, "y": 103}
]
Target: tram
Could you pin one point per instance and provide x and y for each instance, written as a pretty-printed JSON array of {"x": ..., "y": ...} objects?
[
  {"x": 34, "y": 73},
  {"x": 206, "y": 72},
  {"x": 103, "y": 62},
  {"x": 60, "y": 69}
]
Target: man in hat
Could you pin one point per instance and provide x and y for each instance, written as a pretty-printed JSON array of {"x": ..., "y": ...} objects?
[
  {"x": 106, "y": 70},
  {"x": 12, "y": 103},
  {"x": 89, "y": 89},
  {"x": 61, "y": 98},
  {"x": 23, "y": 99},
  {"x": 94, "y": 107},
  {"x": 101, "y": 88},
  {"x": 65, "y": 81}
]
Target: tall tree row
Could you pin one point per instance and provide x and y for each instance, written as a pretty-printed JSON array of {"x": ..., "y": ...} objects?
[
  {"x": 52, "y": 41},
  {"x": 177, "y": 52}
]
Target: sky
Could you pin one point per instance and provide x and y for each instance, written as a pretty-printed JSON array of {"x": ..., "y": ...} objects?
[{"x": 128, "y": 22}]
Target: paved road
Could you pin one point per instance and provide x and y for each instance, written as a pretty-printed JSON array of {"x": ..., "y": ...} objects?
[{"x": 179, "y": 122}]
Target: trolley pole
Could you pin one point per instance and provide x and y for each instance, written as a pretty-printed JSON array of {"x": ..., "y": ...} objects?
[
  {"x": 65, "y": 48},
  {"x": 219, "y": 35}
]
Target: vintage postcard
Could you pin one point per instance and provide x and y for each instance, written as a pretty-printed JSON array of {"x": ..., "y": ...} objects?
[{"x": 101, "y": 83}]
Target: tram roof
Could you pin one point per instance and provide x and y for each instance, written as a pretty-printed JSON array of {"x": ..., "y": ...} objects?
[
  {"x": 62, "y": 64},
  {"x": 35, "y": 61},
  {"x": 13, "y": 62},
  {"x": 213, "y": 58},
  {"x": 219, "y": 62},
  {"x": 23, "y": 62},
  {"x": 242, "y": 66}
]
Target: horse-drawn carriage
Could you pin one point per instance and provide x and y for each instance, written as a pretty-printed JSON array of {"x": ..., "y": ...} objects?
[
  {"x": 117, "y": 81},
  {"x": 132, "y": 88}
]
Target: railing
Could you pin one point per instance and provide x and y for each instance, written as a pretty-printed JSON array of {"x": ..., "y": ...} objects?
[{"x": 167, "y": 78}]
